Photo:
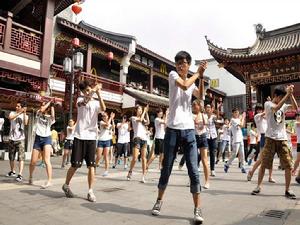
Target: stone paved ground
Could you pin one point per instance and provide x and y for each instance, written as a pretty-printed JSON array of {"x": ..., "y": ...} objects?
[{"x": 119, "y": 201}]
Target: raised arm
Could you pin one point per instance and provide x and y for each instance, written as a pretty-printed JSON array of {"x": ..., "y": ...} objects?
[
  {"x": 289, "y": 91},
  {"x": 199, "y": 93},
  {"x": 98, "y": 88}
]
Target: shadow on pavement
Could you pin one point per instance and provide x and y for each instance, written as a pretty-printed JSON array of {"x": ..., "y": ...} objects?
[
  {"x": 47, "y": 193},
  {"x": 109, "y": 207}
]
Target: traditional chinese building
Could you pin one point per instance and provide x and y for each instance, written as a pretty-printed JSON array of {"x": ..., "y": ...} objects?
[
  {"x": 134, "y": 75},
  {"x": 273, "y": 59}
]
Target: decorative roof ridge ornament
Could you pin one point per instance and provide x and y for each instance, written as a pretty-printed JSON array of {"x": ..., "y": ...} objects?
[{"x": 260, "y": 30}]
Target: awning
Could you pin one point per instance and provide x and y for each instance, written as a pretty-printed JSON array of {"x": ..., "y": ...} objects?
[{"x": 147, "y": 98}]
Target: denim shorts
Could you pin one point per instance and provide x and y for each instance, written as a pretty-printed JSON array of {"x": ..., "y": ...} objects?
[
  {"x": 40, "y": 142},
  {"x": 139, "y": 143},
  {"x": 262, "y": 141},
  {"x": 68, "y": 144},
  {"x": 202, "y": 141},
  {"x": 104, "y": 144}
]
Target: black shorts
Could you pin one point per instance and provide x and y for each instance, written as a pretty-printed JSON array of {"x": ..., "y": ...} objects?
[
  {"x": 68, "y": 144},
  {"x": 298, "y": 147},
  {"x": 122, "y": 149},
  {"x": 202, "y": 141},
  {"x": 83, "y": 149},
  {"x": 158, "y": 146}
]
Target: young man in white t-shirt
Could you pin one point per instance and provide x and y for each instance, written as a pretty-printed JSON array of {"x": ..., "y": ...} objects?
[
  {"x": 180, "y": 129},
  {"x": 18, "y": 121},
  {"x": 237, "y": 122},
  {"x": 85, "y": 135},
  {"x": 276, "y": 138}
]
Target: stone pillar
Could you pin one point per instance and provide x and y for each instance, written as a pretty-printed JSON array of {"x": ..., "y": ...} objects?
[
  {"x": 248, "y": 95},
  {"x": 8, "y": 28},
  {"x": 47, "y": 39},
  {"x": 125, "y": 62},
  {"x": 151, "y": 81}
]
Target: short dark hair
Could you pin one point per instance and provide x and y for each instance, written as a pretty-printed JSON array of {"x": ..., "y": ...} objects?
[
  {"x": 159, "y": 110},
  {"x": 22, "y": 103},
  {"x": 279, "y": 91},
  {"x": 235, "y": 109},
  {"x": 183, "y": 55},
  {"x": 259, "y": 106},
  {"x": 84, "y": 84}
]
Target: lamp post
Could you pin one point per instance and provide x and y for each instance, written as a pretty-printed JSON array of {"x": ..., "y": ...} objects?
[{"x": 68, "y": 67}]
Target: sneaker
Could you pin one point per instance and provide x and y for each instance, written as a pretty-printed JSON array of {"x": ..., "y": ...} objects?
[
  {"x": 198, "y": 216},
  {"x": 129, "y": 175},
  {"x": 125, "y": 167},
  {"x": 226, "y": 168},
  {"x": 297, "y": 179},
  {"x": 249, "y": 162},
  {"x": 243, "y": 170},
  {"x": 19, "y": 178},
  {"x": 206, "y": 186},
  {"x": 156, "y": 208},
  {"x": 91, "y": 196},
  {"x": 46, "y": 185},
  {"x": 256, "y": 191},
  {"x": 271, "y": 180},
  {"x": 105, "y": 174},
  {"x": 217, "y": 161},
  {"x": 213, "y": 173},
  {"x": 290, "y": 194},
  {"x": 249, "y": 176},
  {"x": 143, "y": 180},
  {"x": 11, "y": 174},
  {"x": 67, "y": 190}
]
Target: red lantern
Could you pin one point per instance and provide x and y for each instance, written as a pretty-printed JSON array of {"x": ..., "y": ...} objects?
[
  {"x": 75, "y": 42},
  {"x": 76, "y": 9}
]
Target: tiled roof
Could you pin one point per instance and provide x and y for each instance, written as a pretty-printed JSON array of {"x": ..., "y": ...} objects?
[
  {"x": 60, "y": 5},
  {"x": 272, "y": 43},
  {"x": 147, "y": 98}
]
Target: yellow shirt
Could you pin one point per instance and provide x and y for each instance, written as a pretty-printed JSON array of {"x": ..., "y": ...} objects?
[{"x": 54, "y": 135}]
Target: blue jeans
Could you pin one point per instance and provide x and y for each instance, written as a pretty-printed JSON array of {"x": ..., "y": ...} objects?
[{"x": 187, "y": 141}]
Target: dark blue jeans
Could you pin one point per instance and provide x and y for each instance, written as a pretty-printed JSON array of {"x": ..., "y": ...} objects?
[{"x": 187, "y": 141}]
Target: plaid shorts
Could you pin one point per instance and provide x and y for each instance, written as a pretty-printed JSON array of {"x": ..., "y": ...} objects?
[
  {"x": 14, "y": 147},
  {"x": 281, "y": 148}
]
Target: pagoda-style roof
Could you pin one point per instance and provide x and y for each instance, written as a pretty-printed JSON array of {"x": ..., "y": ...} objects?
[
  {"x": 123, "y": 39},
  {"x": 269, "y": 44},
  {"x": 89, "y": 33}
]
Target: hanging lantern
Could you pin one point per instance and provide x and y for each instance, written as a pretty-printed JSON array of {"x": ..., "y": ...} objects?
[
  {"x": 110, "y": 57},
  {"x": 78, "y": 60},
  {"x": 76, "y": 9},
  {"x": 75, "y": 42},
  {"x": 67, "y": 65}
]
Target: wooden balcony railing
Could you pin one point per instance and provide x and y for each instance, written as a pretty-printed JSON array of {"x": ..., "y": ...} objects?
[
  {"x": 19, "y": 39},
  {"x": 26, "y": 39}
]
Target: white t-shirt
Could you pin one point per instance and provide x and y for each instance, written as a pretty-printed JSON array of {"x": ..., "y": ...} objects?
[
  {"x": 226, "y": 133},
  {"x": 70, "y": 133},
  {"x": 123, "y": 133},
  {"x": 17, "y": 131},
  {"x": 261, "y": 123},
  {"x": 237, "y": 134},
  {"x": 211, "y": 127},
  {"x": 180, "y": 109},
  {"x": 298, "y": 132},
  {"x": 253, "y": 137},
  {"x": 105, "y": 133},
  {"x": 139, "y": 129},
  {"x": 87, "y": 118},
  {"x": 1, "y": 125},
  {"x": 159, "y": 128},
  {"x": 201, "y": 121},
  {"x": 43, "y": 124},
  {"x": 276, "y": 121}
]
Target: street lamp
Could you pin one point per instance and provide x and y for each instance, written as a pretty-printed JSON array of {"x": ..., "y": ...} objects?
[{"x": 68, "y": 67}]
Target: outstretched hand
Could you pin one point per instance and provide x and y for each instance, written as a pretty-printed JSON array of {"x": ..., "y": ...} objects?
[{"x": 202, "y": 67}]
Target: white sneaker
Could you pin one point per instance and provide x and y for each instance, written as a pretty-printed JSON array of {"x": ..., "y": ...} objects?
[
  {"x": 213, "y": 173},
  {"x": 105, "y": 174},
  {"x": 125, "y": 167},
  {"x": 143, "y": 180},
  {"x": 198, "y": 218},
  {"x": 206, "y": 186},
  {"x": 91, "y": 196}
]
